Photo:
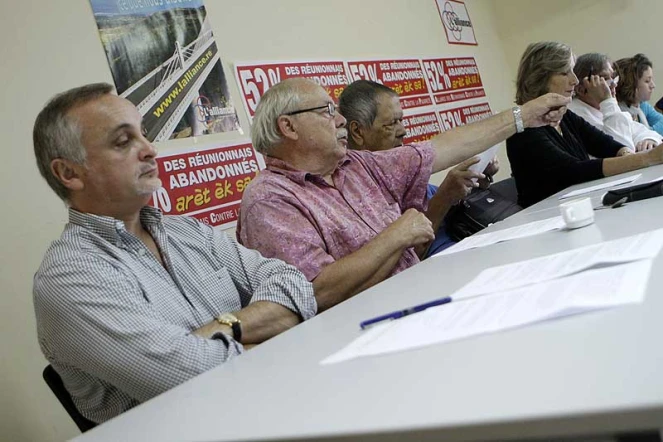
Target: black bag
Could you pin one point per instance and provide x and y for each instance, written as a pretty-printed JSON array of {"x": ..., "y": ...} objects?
[
  {"x": 634, "y": 193},
  {"x": 481, "y": 208}
]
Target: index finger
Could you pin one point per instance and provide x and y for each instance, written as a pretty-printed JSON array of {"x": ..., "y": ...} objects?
[
  {"x": 470, "y": 174},
  {"x": 557, "y": 101}
]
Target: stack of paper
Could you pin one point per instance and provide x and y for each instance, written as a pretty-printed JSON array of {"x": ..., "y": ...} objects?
[
  {"x": 522, "y": 293},
  {"x": 613, "y": 183},
  {"x": 486, "y": 239},
  {"x": 519, "y": 274}
]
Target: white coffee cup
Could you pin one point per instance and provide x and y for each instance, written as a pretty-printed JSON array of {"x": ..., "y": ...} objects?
[{"x": 577, "y": 213}]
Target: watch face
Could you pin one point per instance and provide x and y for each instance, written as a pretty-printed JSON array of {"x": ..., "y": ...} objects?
[
  {"x": 231, "y": 321},
  {"x": 228, "y": 317}
]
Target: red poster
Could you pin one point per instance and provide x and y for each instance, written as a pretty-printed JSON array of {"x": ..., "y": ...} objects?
[
  {"x": 403, "y": 76},
  {"x": 453, "y": 79},
  {"x": 420, "y": 127},
  {"x": 207, "y": 184},
  {"x": 256, "y": 78},
  {"x": 461, "y": 116}
]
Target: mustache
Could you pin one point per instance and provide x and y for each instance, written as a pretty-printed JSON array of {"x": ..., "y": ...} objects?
[
  {"x": 149, "y": 167},
  {"x": 342, "y": 133}
]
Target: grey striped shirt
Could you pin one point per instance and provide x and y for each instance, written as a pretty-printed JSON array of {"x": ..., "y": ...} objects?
[{"x": 117, "y": 325}]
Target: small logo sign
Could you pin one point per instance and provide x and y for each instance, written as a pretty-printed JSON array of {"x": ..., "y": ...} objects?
[{"x": 457, "y": 23}]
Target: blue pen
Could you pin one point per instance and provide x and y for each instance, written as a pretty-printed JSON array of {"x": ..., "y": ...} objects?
[{"x": 408, "y": 311}]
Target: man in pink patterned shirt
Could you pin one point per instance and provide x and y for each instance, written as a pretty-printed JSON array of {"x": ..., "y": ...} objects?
[{"x": 350, "y": 219}]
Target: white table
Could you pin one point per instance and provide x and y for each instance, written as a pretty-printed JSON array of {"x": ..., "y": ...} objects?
[{"x": 590, "y": 374}]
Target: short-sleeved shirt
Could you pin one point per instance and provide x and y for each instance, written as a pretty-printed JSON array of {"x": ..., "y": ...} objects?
[
  {"x": 298, "y": 217},
  {"x": 117, "y": 325}
]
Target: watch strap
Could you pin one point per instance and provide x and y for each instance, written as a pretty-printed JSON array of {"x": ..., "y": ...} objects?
[{"x": 233, "y": 322}]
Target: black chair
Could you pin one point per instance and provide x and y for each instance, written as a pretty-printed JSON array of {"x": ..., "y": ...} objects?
[{"x": 54, "y": 381}]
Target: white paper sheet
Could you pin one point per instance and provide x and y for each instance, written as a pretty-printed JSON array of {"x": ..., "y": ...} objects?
[
  {"x": 591, "y": 290},
  {"x": 484, "y": 158},
  {"x": 486, "y": 239},
  {"x": 613, "y": 183},
  {"x": 546, "y": 268}
]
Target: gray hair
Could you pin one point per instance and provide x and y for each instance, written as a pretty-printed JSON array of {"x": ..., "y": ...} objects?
[
  {"x": 359, "y": 101},
  {"x": 592, "y": 62},
  {"x": 540, "y": 62},
  {"x": 280, "y": 99},
  {"x": 57, "y": 135}
]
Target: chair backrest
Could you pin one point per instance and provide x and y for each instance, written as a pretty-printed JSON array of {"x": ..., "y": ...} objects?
[{"x": 54, "y": 381}]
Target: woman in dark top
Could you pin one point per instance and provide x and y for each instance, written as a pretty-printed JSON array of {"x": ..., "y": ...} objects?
[{"x": 548, "y": 159}]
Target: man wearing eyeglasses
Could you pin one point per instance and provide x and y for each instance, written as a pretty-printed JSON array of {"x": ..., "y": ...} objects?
[
  {"x": 349, "y": 219},
  {"x": 595, "y": 102}
]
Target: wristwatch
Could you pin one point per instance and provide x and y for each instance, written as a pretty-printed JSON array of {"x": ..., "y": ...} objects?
[
  {"x": 231, "y": 321},
  {"x": 518, "y": 119}
]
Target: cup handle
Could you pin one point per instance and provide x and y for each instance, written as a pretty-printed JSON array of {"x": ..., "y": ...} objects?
[{"x": 569, "y": 213}]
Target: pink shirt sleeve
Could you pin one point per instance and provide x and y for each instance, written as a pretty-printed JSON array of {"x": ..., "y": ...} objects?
[{"x": 404, "y": 174}]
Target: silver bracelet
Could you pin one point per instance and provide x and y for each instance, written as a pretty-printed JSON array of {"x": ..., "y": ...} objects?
[{"x": 518, "y": 117}]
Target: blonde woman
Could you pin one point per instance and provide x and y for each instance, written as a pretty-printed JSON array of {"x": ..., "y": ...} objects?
[{"x": 548, "y": 159}]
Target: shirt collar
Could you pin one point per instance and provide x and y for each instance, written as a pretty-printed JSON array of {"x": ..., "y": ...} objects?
[
  {"x": 594, "y": 111},
  {"x": 279, "y": 166},
  {"x": 108, "y": 227}
]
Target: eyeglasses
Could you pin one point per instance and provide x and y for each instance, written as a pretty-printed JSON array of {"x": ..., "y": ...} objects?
[{"x": 330, "y": 107}]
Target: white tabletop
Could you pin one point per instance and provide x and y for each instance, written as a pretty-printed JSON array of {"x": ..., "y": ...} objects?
[{"x": 588, "y": 374}]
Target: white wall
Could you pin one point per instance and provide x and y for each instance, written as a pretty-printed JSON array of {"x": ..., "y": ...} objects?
[
  {"x": 50, "y": 46},
  {"x": 619, "y": 28}
]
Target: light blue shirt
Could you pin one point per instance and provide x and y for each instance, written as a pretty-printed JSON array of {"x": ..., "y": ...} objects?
[{"x": 654, "y": 118}]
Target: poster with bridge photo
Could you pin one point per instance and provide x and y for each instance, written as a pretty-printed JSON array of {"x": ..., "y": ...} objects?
[{"x": 164, "y": 59}]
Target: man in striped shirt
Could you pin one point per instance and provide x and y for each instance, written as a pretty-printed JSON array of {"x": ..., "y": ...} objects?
[{"x": 131, "y": 303}]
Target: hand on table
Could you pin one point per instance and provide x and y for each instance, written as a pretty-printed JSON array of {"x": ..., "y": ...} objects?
[{"x": 645, "y": 145}]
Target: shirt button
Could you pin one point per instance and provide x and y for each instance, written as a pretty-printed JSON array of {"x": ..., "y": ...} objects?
[{"x": 141, "y": 252}]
